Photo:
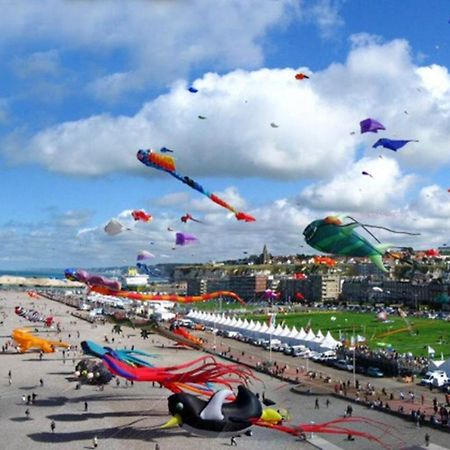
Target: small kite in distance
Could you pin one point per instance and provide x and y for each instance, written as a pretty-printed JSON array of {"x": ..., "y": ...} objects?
[
  {"x": 202, "y": 117},
  {"x": 366, "y": 173},
  {"x": 300, "y": 76},
  {"x": 187, "y": 217},
  {"x": 114, "y": 227},
  {"x": 165, "y": 150},
  {"x": 140, "y": 214},
  {"x": 274, "y": 125},
  {"x": 193, "y": 90}
]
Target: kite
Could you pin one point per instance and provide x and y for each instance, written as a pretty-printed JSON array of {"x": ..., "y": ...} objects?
[
  {"x": 193, "y": 375},
  {"x": 167, "y": 164},
  {"x": 25, "y": 340},
  {"x": 124, "y": 355},
  {"x": 269, "y": 295},
  {"x": 330, "y": 262},
  {"x": 140, "y": 214},
  {"x": 92, "y": 280},
  {"x": 170, "y": 229},
  {"x": 371, "y": 125},
  {"x": 144, "y": 255},
  {"x": 185, "y": 239},
  {"x": 274, "y": 125},
  {"x": 432, "y": 253},
  {"x": 187, "y": 217},
  {"x": 193, "y": 90},
  {"x": 33, "y": 316},
  {"x": 167, "y": 297},
  {"x": 215, "y": 415},
  {"x": 92, "y": 372},
  {"x": 331, "y": 235},
  {"x": 299, "y": 296},
  {"x": 114, "y": 227},
  {"x": 366, "y": 173},
  {"x": 181, "y": 331},
  {"x": 202, "y": 117},
  {"x": 300, "y": 76},
  {"x": 165, "y": 150},
  {"x": 392, "y": 144}
]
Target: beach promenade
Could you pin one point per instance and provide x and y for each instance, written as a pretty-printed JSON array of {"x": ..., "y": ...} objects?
[{"x": 125, "y": 417}]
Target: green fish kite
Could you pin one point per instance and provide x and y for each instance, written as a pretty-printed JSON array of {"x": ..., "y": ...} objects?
[{"x": 330, "y": 235}]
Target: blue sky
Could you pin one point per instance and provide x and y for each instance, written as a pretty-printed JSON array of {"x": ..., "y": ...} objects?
[{"x": 84, "y": 85}]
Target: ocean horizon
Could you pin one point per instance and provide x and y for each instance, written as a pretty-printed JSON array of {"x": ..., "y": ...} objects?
[{"x": 38, "y": 273}]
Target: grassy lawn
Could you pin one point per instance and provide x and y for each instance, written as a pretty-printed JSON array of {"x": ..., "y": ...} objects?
[{"x": 405, "y": 335}]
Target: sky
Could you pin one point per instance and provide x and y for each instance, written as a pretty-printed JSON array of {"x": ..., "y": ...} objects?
[{"x": 84, "y": 85}]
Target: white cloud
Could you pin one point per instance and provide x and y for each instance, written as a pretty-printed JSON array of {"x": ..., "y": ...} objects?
[
  {"x": 353, "y": 191},
  {"x": 315, "y": 118},
  {"x": 156, "y": 40},
  {"x": 37, "y": 64}
]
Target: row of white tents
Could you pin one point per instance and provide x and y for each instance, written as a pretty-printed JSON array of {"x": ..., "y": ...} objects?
[{"x": 257, "y": 330}]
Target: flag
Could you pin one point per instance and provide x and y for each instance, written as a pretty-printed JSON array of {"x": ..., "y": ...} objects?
[
  {"x": 431, "y": 351},
  {"x": 271, "y": 320}
]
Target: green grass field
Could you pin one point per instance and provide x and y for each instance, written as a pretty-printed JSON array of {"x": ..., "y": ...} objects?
[{"x": 405, "y": 335}]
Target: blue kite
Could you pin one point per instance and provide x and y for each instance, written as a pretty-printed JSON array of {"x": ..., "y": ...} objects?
[{"x": 392, "y": 144}]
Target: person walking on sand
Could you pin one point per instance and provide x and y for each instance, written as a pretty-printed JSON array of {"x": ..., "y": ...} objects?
[
  {"x": 316, "y": 404},
  {"x": 233, "y": 441},
  {"x": 85, "y": 406},
  {"x": 27, "y": 413},
  {"x": 52, "y": 426},
  {"x": 95, "y": 442},
  {"x": 427, "y": 440}
]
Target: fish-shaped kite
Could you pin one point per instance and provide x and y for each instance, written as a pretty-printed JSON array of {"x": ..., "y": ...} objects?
[
  {"x": 331, "y": 235},
  {"x": 167, "y": 164},
  {"x": 392, "y": 144}
]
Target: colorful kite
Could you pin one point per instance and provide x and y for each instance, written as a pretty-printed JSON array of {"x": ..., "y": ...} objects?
[
  {"x": 167, "y": 297},
  {"x": 330, "y": 262},
  {"x": 144, "y": 255},
  {"x": 187, "y": 217},
  {"x": 140, "y": 214},
  {"x": 331, "y": 235},
  {"x": 300, "y": 76},
  {"x": 92, "y": 280},
  {"x": 26, "y": 340},
  {"x": 33, "y": 316},
  {"x": 370, "y": 125},
  {"x": 181, "y": 331},
  {"x": 167, "y": 164},
  {"x": 392, "y": 144}
]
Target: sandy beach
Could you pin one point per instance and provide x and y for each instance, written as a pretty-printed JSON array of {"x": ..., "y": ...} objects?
[{"x": 123, "y": 416}]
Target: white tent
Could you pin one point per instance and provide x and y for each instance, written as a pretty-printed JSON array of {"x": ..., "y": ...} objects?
[
  {"x": 329, "y": 343},
  {"x": 278, "y": 330},
  {"x": 440, "y": 365}
]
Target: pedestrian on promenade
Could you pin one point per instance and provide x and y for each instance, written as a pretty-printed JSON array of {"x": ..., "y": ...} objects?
[{"x": 52, "y": 426}]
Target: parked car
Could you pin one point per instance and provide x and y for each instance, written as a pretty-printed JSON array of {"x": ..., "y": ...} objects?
[
  {"x": 374, "y": 372},
  {"x": 342, "y": 364}
]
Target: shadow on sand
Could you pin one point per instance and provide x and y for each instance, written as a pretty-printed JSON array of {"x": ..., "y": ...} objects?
[{"x": 87, "y": 415}]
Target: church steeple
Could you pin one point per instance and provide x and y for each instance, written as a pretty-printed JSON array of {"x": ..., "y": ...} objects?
[{"x": 265, "y": 256}]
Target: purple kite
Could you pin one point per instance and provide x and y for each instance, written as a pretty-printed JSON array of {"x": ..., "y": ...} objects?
[
  {"x": 92, "y": 280},
  {"x": 371, "y": 125},
  {"x": 185, "y": 239},
  {"x": 392, "y": 144}
]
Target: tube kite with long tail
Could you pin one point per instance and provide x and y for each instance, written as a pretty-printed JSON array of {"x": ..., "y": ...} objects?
[
  {"x": 167, "y": 298},
  {"x": 166, "y": 164}
]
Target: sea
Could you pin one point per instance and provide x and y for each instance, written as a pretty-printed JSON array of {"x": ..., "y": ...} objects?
[{"x": 44, "y": 273}]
